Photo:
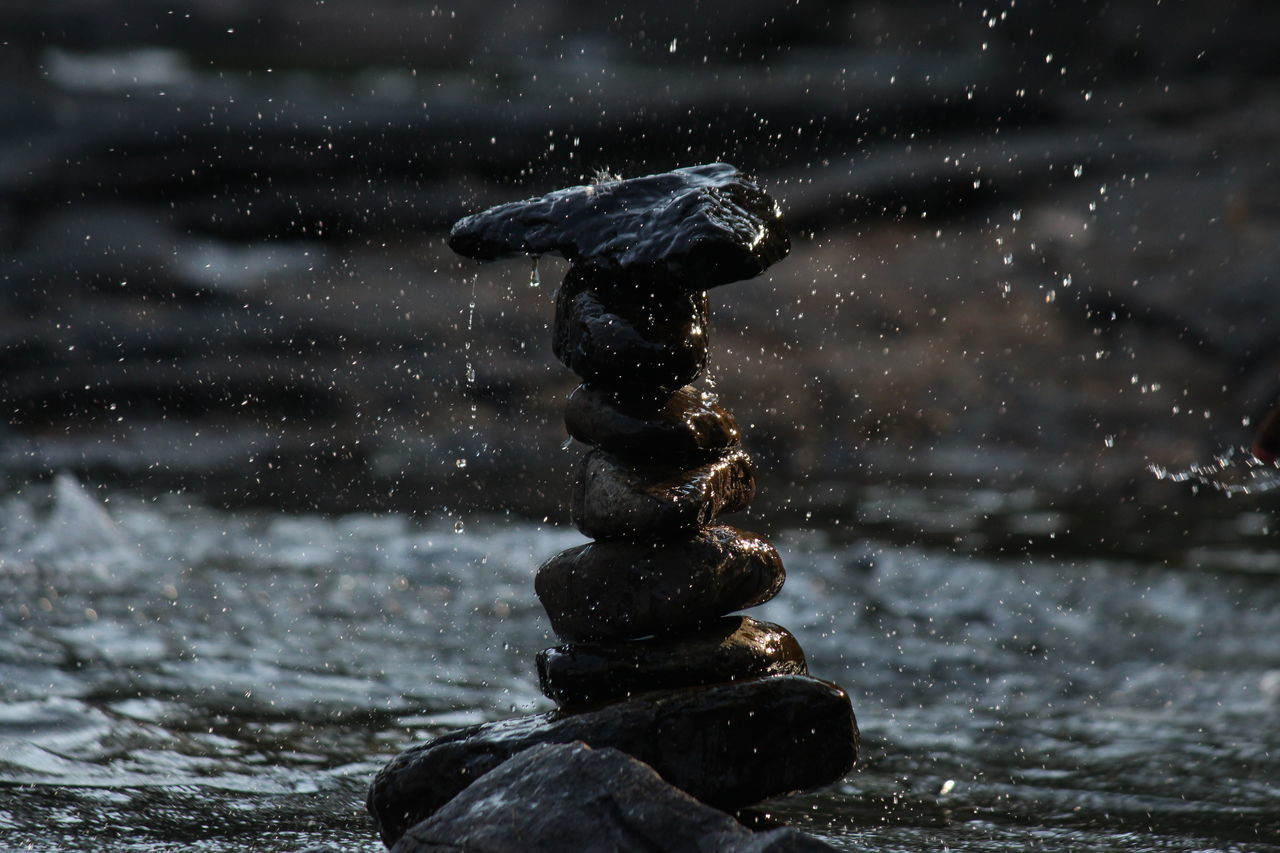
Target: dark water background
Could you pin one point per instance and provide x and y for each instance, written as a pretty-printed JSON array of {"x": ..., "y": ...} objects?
[{"x": 276, "y": 469}]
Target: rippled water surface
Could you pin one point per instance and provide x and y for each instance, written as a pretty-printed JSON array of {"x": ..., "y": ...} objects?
[{"x": 174, "y": 677}]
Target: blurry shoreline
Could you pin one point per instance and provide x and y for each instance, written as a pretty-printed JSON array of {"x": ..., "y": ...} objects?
[{"x": 1039, "y": 253}]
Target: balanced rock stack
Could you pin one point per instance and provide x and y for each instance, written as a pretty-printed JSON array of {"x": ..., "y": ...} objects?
[{"x": 720, "y": 706}]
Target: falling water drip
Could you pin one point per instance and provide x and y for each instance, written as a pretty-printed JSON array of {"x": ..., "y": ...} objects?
[
  {"x": 709, "y": 381},
  {"x": 470, "y": 371},
  {"x": 469, "y": 376},
  {"x": 535, "y": 278}
]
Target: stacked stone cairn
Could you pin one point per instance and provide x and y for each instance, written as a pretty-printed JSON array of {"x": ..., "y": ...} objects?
[{"x": 719, "y": 705}]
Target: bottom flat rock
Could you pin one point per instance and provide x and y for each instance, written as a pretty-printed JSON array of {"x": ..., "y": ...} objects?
[
  {"x": 557, "y": 797},
  {"x": 729, "y": 745}
]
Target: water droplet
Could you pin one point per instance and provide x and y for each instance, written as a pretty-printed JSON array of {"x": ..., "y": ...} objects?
[
  {"x": 535, "y": 278},
  {"x": 1008, "y": 259},
  {"x": 457, "y": 526},
  {"x": 1078, "y": 170},
  {"x": 1109, "y": 441},
  {"x": 461, "y": 463},
  {"x": 1050, "y": 296}
]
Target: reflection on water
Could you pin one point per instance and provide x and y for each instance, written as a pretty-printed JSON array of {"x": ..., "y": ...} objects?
[{"x": 175, "y": 677}]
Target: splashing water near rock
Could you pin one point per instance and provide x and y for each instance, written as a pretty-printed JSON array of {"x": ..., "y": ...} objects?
[{"x": 1234, "y": 471}]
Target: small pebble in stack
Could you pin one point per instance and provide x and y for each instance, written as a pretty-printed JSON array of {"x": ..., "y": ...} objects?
[{"x": 652, "y": 664}]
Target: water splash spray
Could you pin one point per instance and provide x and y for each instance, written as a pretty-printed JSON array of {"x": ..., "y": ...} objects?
[{"x": 1235, "y": 471}]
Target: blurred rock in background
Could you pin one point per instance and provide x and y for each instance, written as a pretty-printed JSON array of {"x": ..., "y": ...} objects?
[{"x": 1031, "y": 243}]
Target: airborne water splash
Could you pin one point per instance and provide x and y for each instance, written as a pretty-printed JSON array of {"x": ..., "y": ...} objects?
[{"x": 1235, "y": 471}]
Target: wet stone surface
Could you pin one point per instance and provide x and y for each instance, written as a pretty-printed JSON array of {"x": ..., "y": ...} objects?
[
  {"x": 630, "y": 338},
  {"x": 613, "y": 499},
  {"x": 696, "y": 227},
  {"x": 626, "y": 589},
  {"x": 556, "y": 797},
  {"x": 683, "y": 423},
  {"x": 1266, "y": 441},
  {"x": 732, "y": 648},
  {"x": 729, "y": 746}
]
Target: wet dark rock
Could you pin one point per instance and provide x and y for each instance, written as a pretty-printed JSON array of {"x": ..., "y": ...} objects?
[
  {"x": 1266, "y": 441},
  {"x": 625, "y": 589},
  {"x": 556, "y": 797},
  {"x": 613, "y": 499},
  {"x": 634, "y": 337},
  {"x": 733, "y": 648},
  {"x": 729, "y": 746},
  {"x": 696, "y": 227},
  {"x": 683, "y": 423}
]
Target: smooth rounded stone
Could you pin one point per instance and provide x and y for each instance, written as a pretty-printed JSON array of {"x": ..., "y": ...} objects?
[
  {"x": 685, "y": 422},
  {"x": 557, "y": 797},
  {"x": 625, "y": 589},
  {"x": 696, "y": 227},
  {"x": 613, "y": 499},
  {"x": 630, "y": 337},
  {"x": 732, "y": 648},
  {"x": 729, "y": 746}
]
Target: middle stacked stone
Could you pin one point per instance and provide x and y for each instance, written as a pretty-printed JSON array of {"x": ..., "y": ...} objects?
[{"x": 643, "y": 607}]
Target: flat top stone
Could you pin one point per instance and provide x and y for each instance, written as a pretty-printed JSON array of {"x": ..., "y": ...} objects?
[{"x": 699, "y": 227}]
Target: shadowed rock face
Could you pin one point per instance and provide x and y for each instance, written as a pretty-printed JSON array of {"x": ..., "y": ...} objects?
[
  {"x": 683, "y": 423},
  {"x": 698, "y": 227},
  {"x": 573, "y": 797},
  {"x": 732, "y": 648},
  {"x": 730, "y": 745},
  {"x": 615, "y": 500},
  {"x": 624, "y": 589},
  {"x": 625, "y": 338}
]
